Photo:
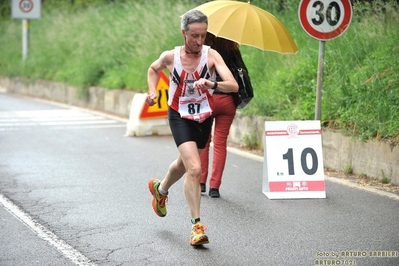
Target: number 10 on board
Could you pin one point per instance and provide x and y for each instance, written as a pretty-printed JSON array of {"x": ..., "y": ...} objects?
[{"x": 293, "y": 160}]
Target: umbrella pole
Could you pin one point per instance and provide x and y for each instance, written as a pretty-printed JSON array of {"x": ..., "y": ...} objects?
[{"x": 322, "y": 46}]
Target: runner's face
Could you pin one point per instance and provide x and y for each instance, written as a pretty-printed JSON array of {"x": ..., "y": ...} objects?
[{"x": 195, "y": 36}]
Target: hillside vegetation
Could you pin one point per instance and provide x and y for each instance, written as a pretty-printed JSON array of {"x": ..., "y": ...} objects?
[{"x": 111, "y": 45}]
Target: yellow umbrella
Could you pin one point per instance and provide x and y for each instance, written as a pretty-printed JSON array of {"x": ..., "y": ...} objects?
[{"x": 249, "y": 25}]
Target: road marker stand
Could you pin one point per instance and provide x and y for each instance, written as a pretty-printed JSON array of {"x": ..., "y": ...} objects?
[
  {"x": 147, "y": 120},
  {"x": 293, "y": 160}
]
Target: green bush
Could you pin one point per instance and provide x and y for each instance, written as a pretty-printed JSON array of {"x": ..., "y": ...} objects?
[{"x": 364, "y": 99}]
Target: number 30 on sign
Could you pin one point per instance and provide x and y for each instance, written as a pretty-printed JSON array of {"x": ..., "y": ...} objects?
[{"x": 293, "y": 160}]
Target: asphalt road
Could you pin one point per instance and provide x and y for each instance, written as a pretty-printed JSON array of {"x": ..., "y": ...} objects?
[{"x": 73, "y": 190}]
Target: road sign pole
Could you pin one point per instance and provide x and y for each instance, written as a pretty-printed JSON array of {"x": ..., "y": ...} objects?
[
  {"x": 320, "y": 71},
  {"x": 324, "y": 20},
  {"x": 25, "y": 10},
  {"x": 25, "y": 37}
]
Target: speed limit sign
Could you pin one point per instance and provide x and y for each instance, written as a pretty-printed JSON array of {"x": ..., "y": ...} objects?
[
  {"x": 26, "y": 5},
  {"x": 325, "y": 19},
  {"x": 26, "y": 9},
  {"x": 293, "y": 160}
]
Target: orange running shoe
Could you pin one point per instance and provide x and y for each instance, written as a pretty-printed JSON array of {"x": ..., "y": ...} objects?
[
  {"x": 158, "y": 200},
  {"x": 198, "y": 236}
]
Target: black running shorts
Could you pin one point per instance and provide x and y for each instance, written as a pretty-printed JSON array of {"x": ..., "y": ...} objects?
[{"x": 184, "y": 130}]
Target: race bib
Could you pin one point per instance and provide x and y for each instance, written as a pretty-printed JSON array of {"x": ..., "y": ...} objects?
[{"x": 195, "y": 108}]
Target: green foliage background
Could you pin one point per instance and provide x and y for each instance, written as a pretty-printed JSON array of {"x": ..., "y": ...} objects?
[{"x": 112, "y": 43}]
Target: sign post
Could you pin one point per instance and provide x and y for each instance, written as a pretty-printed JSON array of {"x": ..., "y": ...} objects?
[
  {"x": 293, "y": 160},
  {"x": 324, "y": 20},
  {"x": 25, "y": 9}
]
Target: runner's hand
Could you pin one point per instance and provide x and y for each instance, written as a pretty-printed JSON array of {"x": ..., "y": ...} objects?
[
  {"x": 203, "y": 84},
  {"x": 151, "y": 99}
]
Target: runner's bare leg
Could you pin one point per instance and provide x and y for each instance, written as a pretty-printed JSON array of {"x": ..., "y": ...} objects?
[{"x": 188, "y": 161}]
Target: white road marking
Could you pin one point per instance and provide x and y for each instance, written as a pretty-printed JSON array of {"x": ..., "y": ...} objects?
[
  {"x": 55, "y": 119},
  {"x": 67, "y": 250}
]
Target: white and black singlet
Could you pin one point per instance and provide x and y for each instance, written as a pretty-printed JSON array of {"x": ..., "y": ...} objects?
[{"x": 189, "y": 123}]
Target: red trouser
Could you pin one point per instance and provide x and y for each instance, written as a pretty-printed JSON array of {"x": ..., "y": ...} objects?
[{"x": 223, "y": 115}]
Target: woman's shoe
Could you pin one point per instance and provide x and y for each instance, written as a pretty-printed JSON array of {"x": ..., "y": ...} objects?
[
  {"x": 214, "y": 193},
  {"x": 203, "y": 187}
]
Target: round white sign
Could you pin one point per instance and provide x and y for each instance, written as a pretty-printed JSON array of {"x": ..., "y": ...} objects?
[
  {"x": 325, "y": 19},
  {"x": 26, "y": 6}
]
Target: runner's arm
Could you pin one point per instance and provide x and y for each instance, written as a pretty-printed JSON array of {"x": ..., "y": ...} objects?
[
  {"x": 153, "y": 74},
  {"x": 229, "y": 84}
]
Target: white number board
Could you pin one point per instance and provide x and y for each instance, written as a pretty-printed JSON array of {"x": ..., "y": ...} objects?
[
  {"x": 26, "y": 9},
  {"x": 293, "y": 160}
]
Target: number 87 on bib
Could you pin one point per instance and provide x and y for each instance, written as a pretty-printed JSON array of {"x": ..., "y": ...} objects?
[{"x": 293, "y": 160}]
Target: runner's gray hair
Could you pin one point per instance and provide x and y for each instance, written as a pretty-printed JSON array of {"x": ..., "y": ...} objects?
[{"x": 192, "y": 16}]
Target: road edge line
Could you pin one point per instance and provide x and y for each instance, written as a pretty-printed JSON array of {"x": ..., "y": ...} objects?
[{"x": 45, "y": 234}]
